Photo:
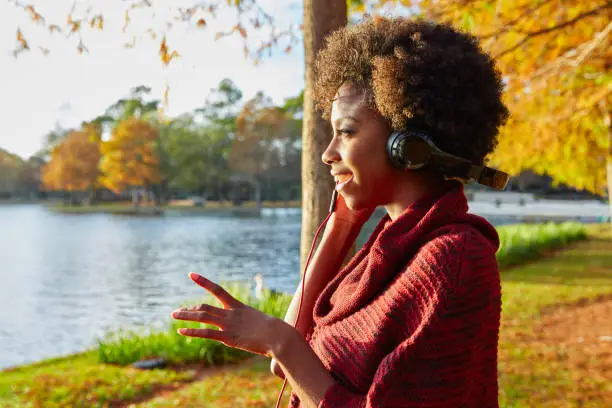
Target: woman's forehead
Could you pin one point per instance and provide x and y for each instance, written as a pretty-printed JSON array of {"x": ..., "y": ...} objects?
[
  {"x": 349, "y": 92},
  {"x": 348, "y": 101}
]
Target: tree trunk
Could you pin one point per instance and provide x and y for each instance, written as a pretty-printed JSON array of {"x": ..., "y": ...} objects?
[
  {"x": 135, "y": 198},
  {"x": 257, "y": 186},
  {"x": 321, "y": 17},
  {"x": 93, "y": 195}
]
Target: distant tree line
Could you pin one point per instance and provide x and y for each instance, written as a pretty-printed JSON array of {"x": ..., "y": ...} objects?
[{"x": 228, "y": 149}]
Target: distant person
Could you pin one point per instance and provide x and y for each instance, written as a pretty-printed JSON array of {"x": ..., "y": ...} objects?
[{"x": 413, "y": 319}]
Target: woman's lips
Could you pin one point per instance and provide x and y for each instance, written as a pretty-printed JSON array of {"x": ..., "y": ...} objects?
[{"x": 342, "y": 180}]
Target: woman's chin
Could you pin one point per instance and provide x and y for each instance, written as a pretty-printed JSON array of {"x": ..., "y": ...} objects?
[{"x": 353, "y": 203}]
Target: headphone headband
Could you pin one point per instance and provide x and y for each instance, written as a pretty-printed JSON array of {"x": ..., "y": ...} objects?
[{"x": 414, "y": 149}]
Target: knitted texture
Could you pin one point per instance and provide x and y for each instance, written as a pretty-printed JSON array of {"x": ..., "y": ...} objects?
[{"x": 413, "y": 319}]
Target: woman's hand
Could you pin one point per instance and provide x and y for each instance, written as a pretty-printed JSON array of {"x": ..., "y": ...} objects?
[
  {"x": 241, "y": 326},
  {"x": 353, "y": 217}
]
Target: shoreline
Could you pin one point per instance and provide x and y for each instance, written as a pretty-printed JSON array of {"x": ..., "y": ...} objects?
[{"x": 537, "y": 211}]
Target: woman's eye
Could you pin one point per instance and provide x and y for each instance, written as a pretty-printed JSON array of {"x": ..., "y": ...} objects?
[{"x": 345, "y": 131}]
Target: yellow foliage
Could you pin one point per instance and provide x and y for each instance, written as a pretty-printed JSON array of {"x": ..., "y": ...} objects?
[
  {"x": 74, "y": 162},
  {"x": 130, "y": 158}
]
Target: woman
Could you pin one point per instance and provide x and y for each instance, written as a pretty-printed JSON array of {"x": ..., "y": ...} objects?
[{"x": 413, "y": 319}]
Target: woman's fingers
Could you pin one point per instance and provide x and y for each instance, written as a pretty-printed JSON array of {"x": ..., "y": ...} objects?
[
  {"x": 225, "y": 298},
  {"x": 204, "y": 333},
  {"x": 215, "y": 311},
  {"x": 202, "y": 317}
]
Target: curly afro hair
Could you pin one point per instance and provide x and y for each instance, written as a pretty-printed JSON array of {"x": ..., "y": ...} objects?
[{"x": 413, "y": 71}]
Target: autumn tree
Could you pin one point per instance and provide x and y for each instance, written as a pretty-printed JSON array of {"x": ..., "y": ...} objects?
[
  {"x": 286, "y": 176},
  {"x": 10, "y": 165},
  {"x": 130, "y": 158},
  {"x": 74, "y": 164},
  {"x": 251, "y": 153}
]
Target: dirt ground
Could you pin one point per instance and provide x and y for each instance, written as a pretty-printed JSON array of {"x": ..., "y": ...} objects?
[{"x": 580, "y": 337}]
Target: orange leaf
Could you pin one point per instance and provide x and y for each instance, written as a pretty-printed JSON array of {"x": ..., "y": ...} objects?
[
  {"x": 21, "y": 39},
  {"x": 201, "y": 23},
  {"x": 34, "y": 15},
  {"x": 163, "y": 53}
]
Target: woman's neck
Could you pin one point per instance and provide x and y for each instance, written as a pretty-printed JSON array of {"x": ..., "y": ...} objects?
[{"x": 413, "y": 190}]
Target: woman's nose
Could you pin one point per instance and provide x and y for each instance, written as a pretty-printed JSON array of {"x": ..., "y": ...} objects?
[{"x": 330, "y": 155}]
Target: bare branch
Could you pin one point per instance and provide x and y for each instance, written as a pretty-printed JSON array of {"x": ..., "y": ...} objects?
[
  {"x": 249, "y": 15},
  {"x": 567, "y": 59},
  {"x": 593, "y": 44},
  {"x": 508, "y": 26},
  {"x": 533, "y": 34}
]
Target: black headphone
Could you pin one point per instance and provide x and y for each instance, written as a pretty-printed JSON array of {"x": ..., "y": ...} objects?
[{"x": 413, "y": 149}]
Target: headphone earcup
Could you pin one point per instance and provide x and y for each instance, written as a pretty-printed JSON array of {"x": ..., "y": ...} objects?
[{"x": 408, "y": 150}]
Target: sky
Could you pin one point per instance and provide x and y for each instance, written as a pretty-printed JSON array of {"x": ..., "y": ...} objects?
[{"x": 39, "y": 93}]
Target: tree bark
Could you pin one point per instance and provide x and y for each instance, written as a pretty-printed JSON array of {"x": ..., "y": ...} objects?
[
  {"x": 135, "y": 198},
  {"x": 321, "y": 17}
]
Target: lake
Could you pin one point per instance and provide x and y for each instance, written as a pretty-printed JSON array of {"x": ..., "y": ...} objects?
[{"x": 66, "y": 279}]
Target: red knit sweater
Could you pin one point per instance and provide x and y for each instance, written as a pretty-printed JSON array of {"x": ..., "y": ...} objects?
[{"x": 413, "y": 319}]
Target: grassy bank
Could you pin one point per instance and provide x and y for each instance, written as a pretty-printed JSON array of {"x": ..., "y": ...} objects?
[{"x": 533, "y": 371}]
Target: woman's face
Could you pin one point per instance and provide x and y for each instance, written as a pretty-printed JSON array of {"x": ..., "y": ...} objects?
[{"x": 357, "y": 152}]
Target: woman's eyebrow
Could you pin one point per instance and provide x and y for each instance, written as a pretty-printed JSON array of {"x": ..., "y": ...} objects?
[{"x": 346, "y": 117}]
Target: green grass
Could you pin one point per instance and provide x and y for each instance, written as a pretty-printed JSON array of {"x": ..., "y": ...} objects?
[
  {"x": 247, "y": 386},
  {"x": 79, "y": 381},
  {"x": 524, "y": 242}
]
